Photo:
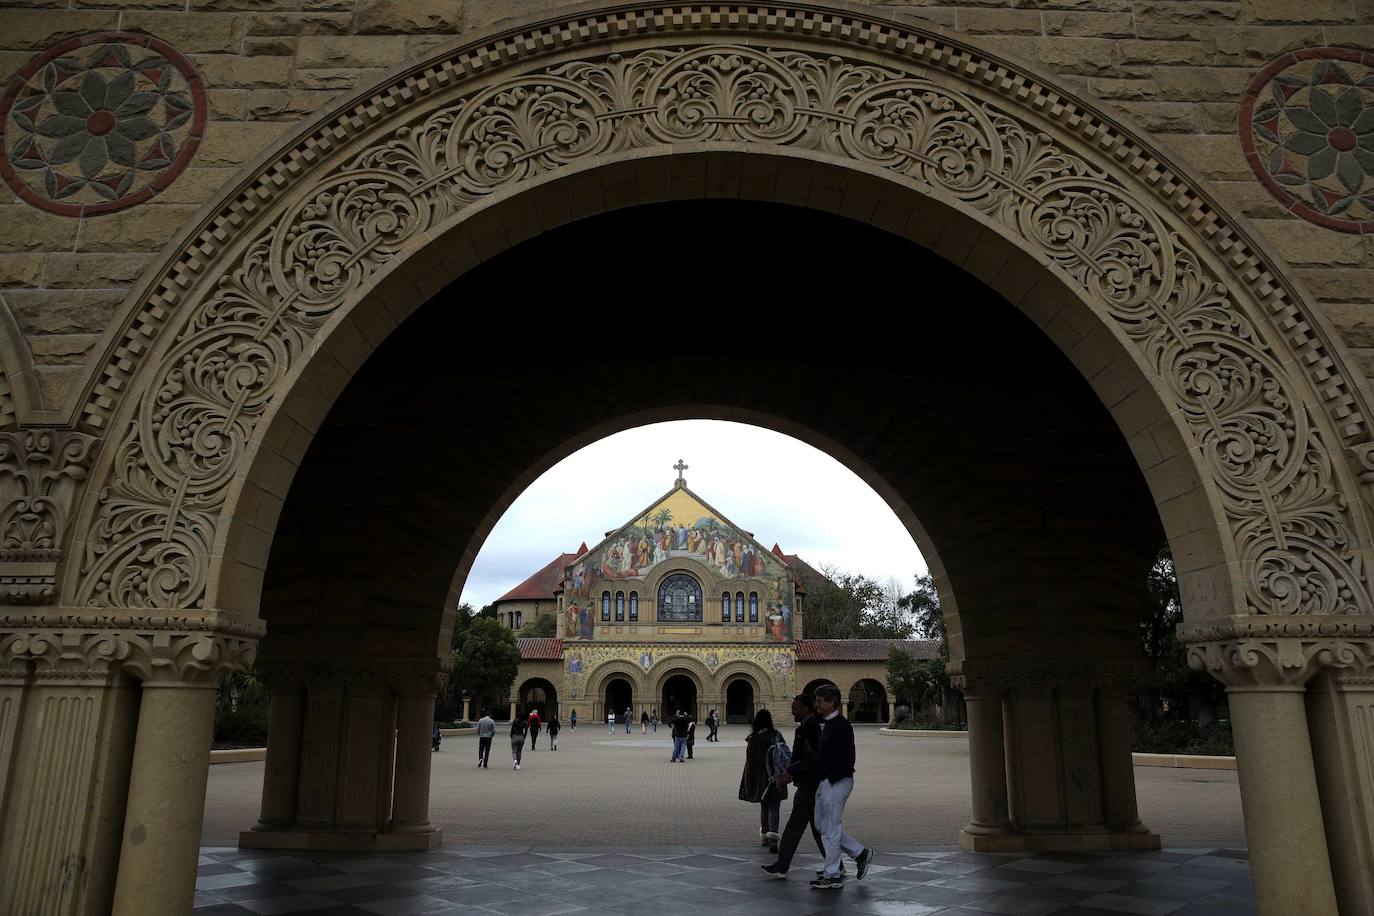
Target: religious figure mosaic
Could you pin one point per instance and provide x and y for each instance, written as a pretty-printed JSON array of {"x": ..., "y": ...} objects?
[{"x": 100, "y": 123}]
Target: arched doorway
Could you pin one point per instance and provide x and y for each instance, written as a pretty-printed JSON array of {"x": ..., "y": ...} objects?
[
  {"x": 538, "y": 693},
  {"x": 618, "y": 697},
  {"x": 867, "y": 701},
  {"x": 1113, "y": 252},
  {"x": 739, "y": 701},
  {"x": 679, "y": 693}
]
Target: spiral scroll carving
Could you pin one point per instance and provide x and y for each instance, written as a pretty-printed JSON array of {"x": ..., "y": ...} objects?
[{"x": 1265, "y": 451}]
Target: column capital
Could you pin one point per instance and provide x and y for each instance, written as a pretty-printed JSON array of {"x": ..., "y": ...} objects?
[
  {"x": 96, "y": 646},
  {"x": 994, "y": 677},
  {"x": 1279, "y": 652}
]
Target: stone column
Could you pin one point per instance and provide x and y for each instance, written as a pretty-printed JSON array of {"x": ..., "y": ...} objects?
[
  {"x": 157, "y": 860},
  {"x": 987, "y": 766},
  {"x": 281, "y": 775},
  {"x": 414, "y": 752},
  {"x": 1340, "y": 715},
  {"x": 92, "y": 792},
  {"x": 1119, "y": 811},
  {"x": 1266, "y": 663}
]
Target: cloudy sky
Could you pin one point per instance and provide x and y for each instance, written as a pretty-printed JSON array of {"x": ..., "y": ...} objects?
[{"x": 781, "y": 489}]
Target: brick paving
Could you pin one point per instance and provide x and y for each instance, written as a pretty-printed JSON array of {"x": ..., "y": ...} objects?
[{"x": 621, "y": 790}]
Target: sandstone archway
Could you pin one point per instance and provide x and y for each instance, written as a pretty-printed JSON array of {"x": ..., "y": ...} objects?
[{"x": 1237, "y": 408}]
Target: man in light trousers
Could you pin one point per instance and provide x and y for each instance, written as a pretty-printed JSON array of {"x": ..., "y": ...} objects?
[{"x": 835, "y": 767}]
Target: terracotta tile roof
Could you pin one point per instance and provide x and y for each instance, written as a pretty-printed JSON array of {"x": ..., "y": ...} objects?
[
  {"x": 862, "y": 650},
  {"x": 808, "y": 576},
  {"x": 545, "y": 584},
  {"x": 540, "y": 649}
]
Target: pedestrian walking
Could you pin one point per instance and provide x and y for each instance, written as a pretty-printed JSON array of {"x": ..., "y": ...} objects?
[
  {"x": 518, "y": 727},
  {"x": 554, "y": 728},
  {"x": 801, "y": 773},
  {"x": 534, "y": 724},
  {"x": 610, "y": 722},
  {"x": 835, "y": 758},
  {"x": 653, "y": 721},
  {"x": 766, "y": 757},
  {"x": 644, "y": 721},
  {"x": 679, "y": 737},
  {"x": 691, "y": 736},
  {"x": 572, "y": 720},
  {"x": 713, "y": 723},
  {"x": 486, "y": 730},
  {"x": 629, "y": 718}
]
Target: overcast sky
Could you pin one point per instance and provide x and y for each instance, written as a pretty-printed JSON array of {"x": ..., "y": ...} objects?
[{"x": 780, "y": 489}]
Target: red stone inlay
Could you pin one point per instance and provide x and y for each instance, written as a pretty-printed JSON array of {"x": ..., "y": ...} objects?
[
  {"x": 100, "y": 123},
  {"x": 1307, "y": 132}
]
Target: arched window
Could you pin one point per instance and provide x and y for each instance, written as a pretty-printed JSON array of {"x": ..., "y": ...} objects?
[
  {"x": 724, "y": 607},
  {"x": 679, "y": 598},
  {"x": 634, "y": 606},
  {"x": 739, "y": 607},
  {"x": 606, "y": 606},
  {"x": 518, "y": 618},
  {"x": 753, "y": 607},
  {"x": 619, "y": 606}
]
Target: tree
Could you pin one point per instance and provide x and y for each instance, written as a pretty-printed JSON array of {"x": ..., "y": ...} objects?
[
  {"x": 851, "y": 606},
  {"x": 542, "y": 625},
  {"x": 1170, "y": 691},
  {"x": 928, "y": 620},
  {"x": 485, "y": 660}
]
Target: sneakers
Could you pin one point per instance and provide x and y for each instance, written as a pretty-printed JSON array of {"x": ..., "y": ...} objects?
[
  {"x": 773, "y": 871},
  {"x": 864, "y": 860},
  {"x": 771, "y": 841},
  {"x": 820, "y": 872},
  {"x": 763, "y": 837},
  {"x": 827, "y": 884}
]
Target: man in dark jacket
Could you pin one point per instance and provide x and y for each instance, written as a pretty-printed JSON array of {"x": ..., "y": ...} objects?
[
  {"x": 802, "y": 772},
  {"x": 835, "y": 772},
  {"x": 679, "y": 737}
]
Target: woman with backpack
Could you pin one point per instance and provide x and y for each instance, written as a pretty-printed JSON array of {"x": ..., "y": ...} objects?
[{"x": 765, "y": 754}]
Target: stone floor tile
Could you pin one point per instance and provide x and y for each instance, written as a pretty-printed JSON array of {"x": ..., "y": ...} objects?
[
  {"x": 409, "y": 906},
  {"x": 1081, "y": 882},
  {"x": 299, "y": 903},
  {"x": 898, "y": 908},
  {"x": 980, "y": 884},
  {"x": 1140, "y": 906},
  {"x": 1014, "y": 906},
  {"x": 222, "y": 909},
  {"x": 331, "y": 882},
  {"x": 234, "y": 878}
]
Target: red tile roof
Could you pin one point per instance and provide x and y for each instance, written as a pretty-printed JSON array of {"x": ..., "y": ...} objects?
[
  {"x": 540, "y": 649},
  {"x": 862, "y": 650},
  {"x": 544, "y": 585}
]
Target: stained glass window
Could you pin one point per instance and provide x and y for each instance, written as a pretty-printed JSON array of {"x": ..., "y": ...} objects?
[
  {"x": 606, "y": 606},
  {"x": 634, "y": 606},
  {"x": 739, "y": 607},
  {"x": 619, "y": 606},
  {"x": 679, "y": 598},
  {"x": 724, "y": 607},
  {"x": 753, "y": 607}
]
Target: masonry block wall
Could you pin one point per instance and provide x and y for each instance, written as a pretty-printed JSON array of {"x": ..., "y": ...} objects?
[{"x": 1178, "y": 69}]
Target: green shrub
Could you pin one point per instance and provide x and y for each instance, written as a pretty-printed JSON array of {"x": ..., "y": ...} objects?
[{"x": 245, "y": 726}]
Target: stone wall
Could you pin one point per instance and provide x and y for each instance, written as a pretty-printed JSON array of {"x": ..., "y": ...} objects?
[{"x": 1179, "y": 69}]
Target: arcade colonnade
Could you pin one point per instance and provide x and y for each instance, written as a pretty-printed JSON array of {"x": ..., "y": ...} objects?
[{"x": 160, "y": 500}]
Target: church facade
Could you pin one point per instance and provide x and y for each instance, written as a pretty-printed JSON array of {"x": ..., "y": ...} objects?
[{"x": 681, "y": 608}]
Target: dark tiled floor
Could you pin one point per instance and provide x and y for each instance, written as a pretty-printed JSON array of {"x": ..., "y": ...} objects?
[{"x": 662, "y": 881}]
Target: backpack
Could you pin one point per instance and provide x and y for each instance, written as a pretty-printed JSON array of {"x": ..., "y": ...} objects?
[{"x": 779, "y": 755}]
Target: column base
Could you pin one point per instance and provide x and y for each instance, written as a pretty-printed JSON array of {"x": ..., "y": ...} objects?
[
  {"x": 977, "y": 839},
  {"x": 338, "y": 839}
]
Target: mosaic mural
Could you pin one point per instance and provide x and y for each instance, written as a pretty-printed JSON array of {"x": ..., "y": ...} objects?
[{"x": 775, "y": 664}]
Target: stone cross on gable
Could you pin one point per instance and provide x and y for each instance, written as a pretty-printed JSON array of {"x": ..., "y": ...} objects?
[{"x": 680, "y": 467}]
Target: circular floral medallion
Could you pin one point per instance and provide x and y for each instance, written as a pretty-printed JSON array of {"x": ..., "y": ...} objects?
[
  {"x": 100, "y": 123},
  {"x": 1307, "y": 130}
]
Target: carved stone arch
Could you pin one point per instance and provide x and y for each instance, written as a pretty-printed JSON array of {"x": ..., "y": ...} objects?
[
  {"x": 602, "y": 674},
  {"x": 235, "y": 346},
  {"x": 666, "y": 666},
  {"x": 743, "y": 667}
]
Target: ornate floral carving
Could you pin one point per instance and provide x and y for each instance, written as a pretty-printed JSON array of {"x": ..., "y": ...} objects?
[
  {"x": 99, "y": 123},
  {"x": 40, "y": 471},
  {"x": 1307, "y": 130},
  {"x": 1278, "y": 652},
  {"x": 152, "y": 649},
  {"x": 1265, "y": 450}
]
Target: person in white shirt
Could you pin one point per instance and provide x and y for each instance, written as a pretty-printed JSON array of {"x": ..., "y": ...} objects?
[{"x": 610, "y": 723}]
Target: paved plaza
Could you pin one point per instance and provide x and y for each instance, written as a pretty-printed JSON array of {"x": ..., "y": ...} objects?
[
  {"x": 607, "y": 825},
  {"x": 621, "y": 790}
]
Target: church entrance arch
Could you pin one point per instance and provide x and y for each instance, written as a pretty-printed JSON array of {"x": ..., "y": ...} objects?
[
  {"x": 618, "y": 697},
  {"x": 817, "y": 683},
  {"x": 739, "y": 701},
  {"x": 679, "y": 694},
  {"x": 1229, "y": 404}
]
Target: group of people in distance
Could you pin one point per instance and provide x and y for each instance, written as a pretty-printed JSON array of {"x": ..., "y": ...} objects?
[
  {"x": 820, "y": 767},
  {"x": 521, "y": 726}
]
